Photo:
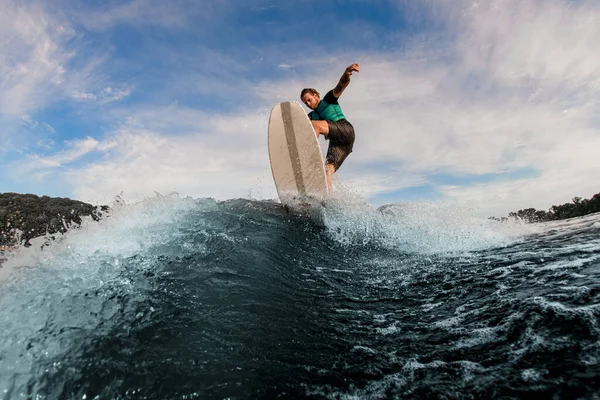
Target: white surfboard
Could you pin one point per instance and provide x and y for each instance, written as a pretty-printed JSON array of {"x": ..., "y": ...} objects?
[{"x": 296, "y": 158}]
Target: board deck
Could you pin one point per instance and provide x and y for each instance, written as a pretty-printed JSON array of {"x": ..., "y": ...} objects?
[{"x": 297, "y": 161}]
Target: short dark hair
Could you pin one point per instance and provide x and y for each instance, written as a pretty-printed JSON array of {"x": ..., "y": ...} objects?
[{"x": 309, "y": 90}]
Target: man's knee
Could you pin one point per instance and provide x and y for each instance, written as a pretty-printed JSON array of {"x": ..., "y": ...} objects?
[{"x": 320, "y": 127}]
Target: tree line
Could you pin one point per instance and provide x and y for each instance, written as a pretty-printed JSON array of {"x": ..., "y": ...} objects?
[{"x": 576, "y": 208}]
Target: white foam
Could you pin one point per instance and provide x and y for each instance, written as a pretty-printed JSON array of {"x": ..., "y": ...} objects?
[
  {"x": 562, "y": 309},
  {"x": 468, "y": 368},
  {"x": 429, "y": 306},
  {"x": 479, "y": 337},
  {"x": 449, "y": 322},
  {"x": 363, "y": 349},
  {"x": 388, "y": 330},
  {"x": 372, "y": 390},
  {"x": 425, "y": 228},
  {"x": 413, "y": 365},
  {"x": 530, "y": 375}
]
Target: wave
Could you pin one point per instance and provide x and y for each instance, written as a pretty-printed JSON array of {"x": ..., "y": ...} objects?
[{"x": 171, "y": 290}]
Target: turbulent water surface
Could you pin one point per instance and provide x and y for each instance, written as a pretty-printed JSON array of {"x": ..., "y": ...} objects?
[{"x": 181, "y": 298}]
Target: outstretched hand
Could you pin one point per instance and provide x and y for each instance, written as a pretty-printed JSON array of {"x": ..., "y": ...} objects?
[
  {"x": 352, "y": 68},
  {"x": 345, "y": 80}
]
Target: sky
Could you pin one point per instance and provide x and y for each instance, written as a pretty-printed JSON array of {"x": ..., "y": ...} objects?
[{"x": 491, "y": 104}]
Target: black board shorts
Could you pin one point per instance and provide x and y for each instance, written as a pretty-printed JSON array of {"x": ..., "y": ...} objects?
[{"x": 341, "y": 141}]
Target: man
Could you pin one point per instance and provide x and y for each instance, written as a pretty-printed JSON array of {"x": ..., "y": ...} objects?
[{"x": 328, "y": 120}]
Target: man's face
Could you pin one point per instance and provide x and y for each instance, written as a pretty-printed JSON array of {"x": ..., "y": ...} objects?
[{"x": 311, "y": 100}]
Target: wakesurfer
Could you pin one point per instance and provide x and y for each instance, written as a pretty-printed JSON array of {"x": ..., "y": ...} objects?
[{"x": 328, "y": 120}]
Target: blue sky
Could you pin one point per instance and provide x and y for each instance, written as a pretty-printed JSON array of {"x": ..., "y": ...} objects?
[{"x": 492, "y": 105}]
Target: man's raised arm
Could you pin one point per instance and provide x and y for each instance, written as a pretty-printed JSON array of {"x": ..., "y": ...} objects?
[{"x": 345, "y": 80}]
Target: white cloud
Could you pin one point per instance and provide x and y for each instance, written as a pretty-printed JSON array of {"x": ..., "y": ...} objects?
[
  {"x": 83, "y": 96},
  {"x": 75, "y": 150},
  {"x": 112, "y": 94},
  {"x": 32, "y": 57},
  {"x": 104, "y": 96},
  {"x": 551, "y": 42},
  {"x": 29, "y": 122},
  {"x": 49, "y": 171},
  {"x": 498, "y": 199},
  {"x": 48, "y": 128},
  {"x": 47, "y": 144},
  {"x": 40, "y": 66},
  {"x": 107, "y": 145},
  {"x": 220, "y": 158},
  {"x": 537, "y": 71}
]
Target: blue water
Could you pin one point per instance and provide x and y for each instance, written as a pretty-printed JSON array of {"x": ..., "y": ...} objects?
[{"x": 192, "y": 298}]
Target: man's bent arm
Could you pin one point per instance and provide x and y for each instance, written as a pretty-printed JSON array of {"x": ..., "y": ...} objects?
[{"x": 345, "y": 80}]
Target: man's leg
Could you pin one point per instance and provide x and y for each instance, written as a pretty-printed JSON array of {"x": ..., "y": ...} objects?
[
  {"x": 321, "y": 128},
  {"x": 329, "y": 171}
]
